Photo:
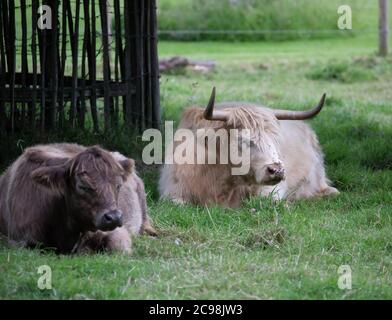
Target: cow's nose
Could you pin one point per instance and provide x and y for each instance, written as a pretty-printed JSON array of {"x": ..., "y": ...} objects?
[
  {"x": 113, "y": 219},
  {"x": 272, "y": 169},
  {"x": 275, "y": 171}
]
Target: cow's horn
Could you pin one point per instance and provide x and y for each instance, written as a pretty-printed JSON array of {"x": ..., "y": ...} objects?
[
  {"x": 300, "y": 115},
  {"x": 210, "y": 114}
]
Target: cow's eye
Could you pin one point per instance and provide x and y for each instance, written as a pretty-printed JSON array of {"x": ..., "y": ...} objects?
[
  {"x": 249, "y": 143},
  {"x": 86, "y": 188}
]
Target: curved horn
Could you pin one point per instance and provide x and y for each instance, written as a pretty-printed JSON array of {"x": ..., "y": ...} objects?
[
  {"x": 210, "y": 114},
  {"x": 300, "y": 115}
]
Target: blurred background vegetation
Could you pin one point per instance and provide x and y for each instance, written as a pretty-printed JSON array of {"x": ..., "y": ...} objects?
[{"x": 244, "y": 20}]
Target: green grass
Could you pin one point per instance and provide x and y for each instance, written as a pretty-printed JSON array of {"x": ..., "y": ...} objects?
[{"x": 264, "y": 250}]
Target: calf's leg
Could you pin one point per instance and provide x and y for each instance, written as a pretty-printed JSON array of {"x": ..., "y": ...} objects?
[{"x": 117, "y": 240}]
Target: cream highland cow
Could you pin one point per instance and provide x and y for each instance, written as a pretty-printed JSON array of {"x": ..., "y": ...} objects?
[{"x": 285, "y": 159}]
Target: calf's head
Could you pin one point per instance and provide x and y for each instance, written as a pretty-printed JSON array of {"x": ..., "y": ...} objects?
[
  {"x": 266, "y": 166},
  {"x": 90, "y": 183}
]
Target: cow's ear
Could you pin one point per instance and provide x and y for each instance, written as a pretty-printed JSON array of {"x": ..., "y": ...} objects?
[
  {"x": 52, "y": 177},
  {"x": 128, "y": 165}
]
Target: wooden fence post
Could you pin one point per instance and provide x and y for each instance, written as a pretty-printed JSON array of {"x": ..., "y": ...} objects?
[{"x": 383, "y": 27}]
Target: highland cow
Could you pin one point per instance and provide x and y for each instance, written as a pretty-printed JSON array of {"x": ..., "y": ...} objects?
[
  {"x": 72, "y": 199},
  {"x": 285, "y": 158}
]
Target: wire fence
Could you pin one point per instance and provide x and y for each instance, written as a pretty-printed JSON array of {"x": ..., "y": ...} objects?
[{"x": 264, "y": 31}]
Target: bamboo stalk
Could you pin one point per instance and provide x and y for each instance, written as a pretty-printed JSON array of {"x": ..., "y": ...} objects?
[
  {"x": 34, "y": 9},
  {"x": 148, "y": 65},
  {"x": 75, "y": 47},
  {"x": 119, "y": 30},
  {"x": 72, "y": 111},
  {"x": 118, "y": 53},
  {"x": 155, "y": 67},
  {"x": 92, "y": 47},
  {"x": 62, "y": 63},
  {"x": 141, "y": 59},
  {"x": 6, "y": 30},
  {"x": 134, "y": 79},
  {"x": 120, "y": 50},
  {"x": 53, "y": 47},
  {"x": 42, "y": 47},
  {"x": 127, "y": 63},
  {"x": 106, "y": 63},
  {"x": 83, "y": 80},
  {"x": 12, "y": 61},
  {"x": 24, "y": 56},
  {"x": 112, "y": 111},
  {"x": 3, "y": 119},
  {"x": 70, "y": 20}
]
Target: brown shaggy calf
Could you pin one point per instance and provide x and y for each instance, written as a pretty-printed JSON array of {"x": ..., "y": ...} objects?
[{"x": 72, "y": 198}]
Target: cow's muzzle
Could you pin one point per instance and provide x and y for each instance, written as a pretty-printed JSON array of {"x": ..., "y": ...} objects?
[
  {"x": 110, "y": 220},
  {"x": 274, "y": 174}
]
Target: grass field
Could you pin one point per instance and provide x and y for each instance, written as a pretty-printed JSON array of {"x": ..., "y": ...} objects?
[{"x": 265, "y": 250}]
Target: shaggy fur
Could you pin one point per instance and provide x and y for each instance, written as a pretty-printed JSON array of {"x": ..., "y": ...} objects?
[
  {"x": 296, "y": 146},
  {"x": 39, "y": 204}
]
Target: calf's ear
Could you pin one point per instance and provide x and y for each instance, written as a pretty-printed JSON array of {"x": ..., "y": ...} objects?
[
  {"x": 128, "y": 166},
  {"x": 51, "y": 177}
]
